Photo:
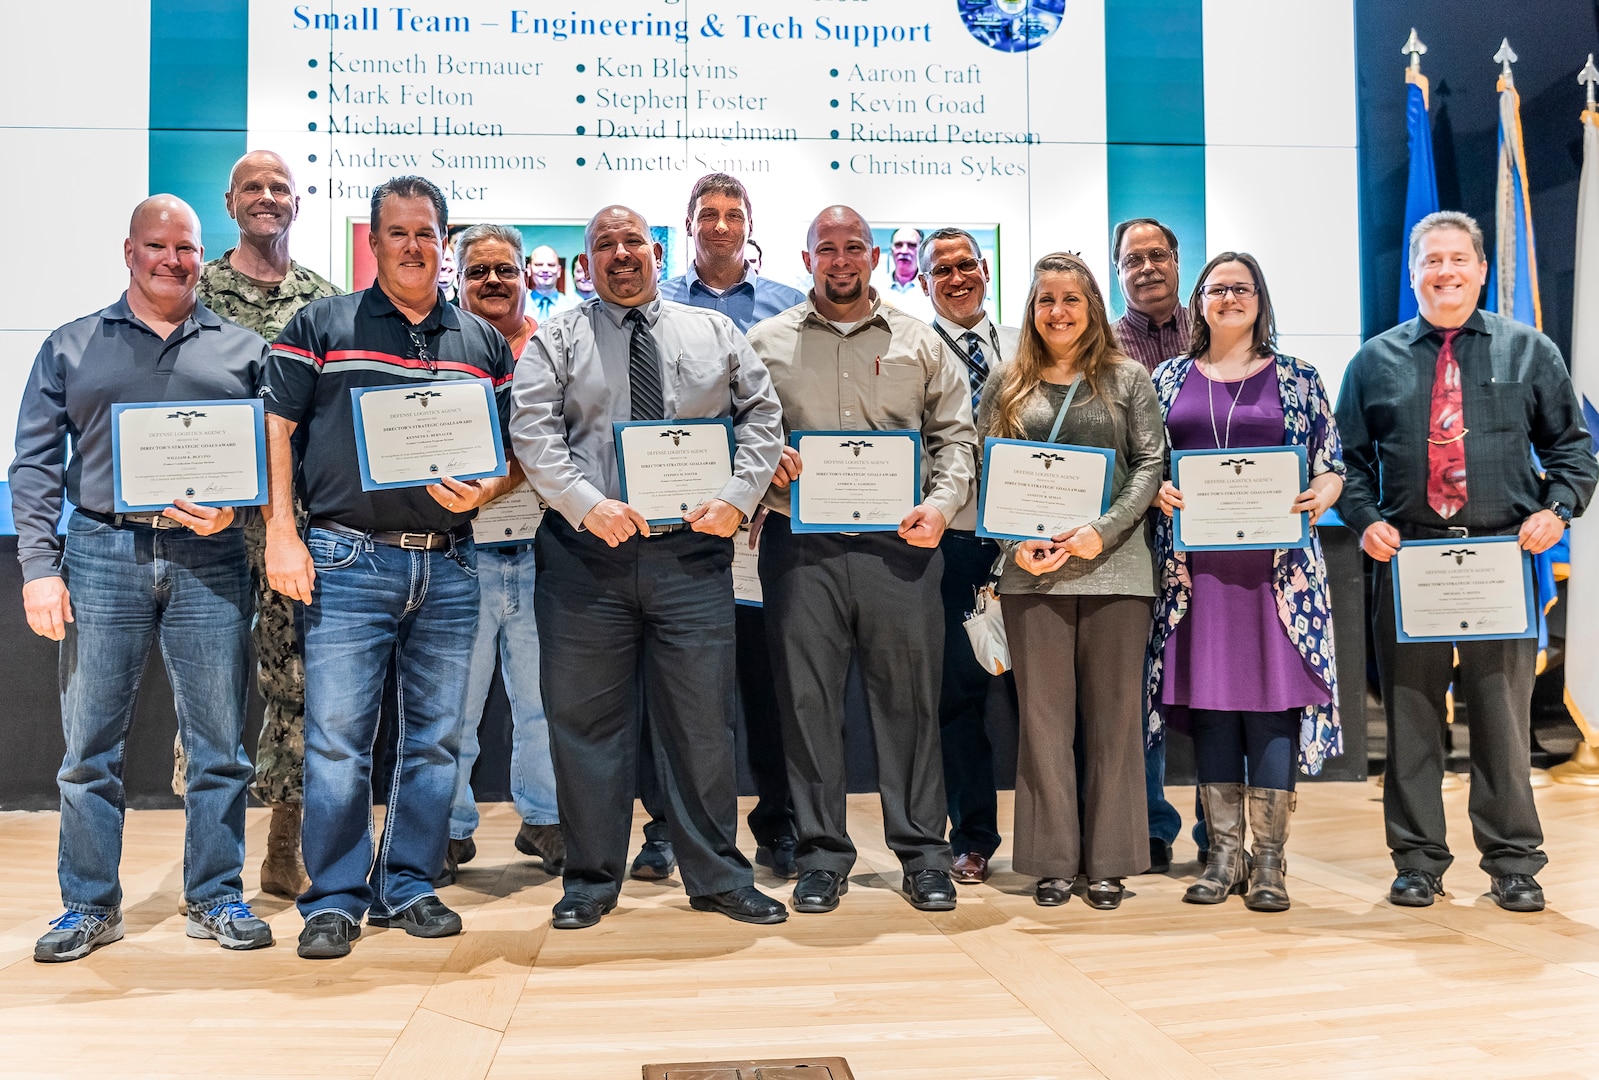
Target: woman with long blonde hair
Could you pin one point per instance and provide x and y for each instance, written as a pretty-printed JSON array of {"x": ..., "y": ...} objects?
[{"x": 1077, "y": 606}]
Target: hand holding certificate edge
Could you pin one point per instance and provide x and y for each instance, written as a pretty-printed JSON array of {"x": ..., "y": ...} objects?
[
  {"x": 923, "y": 527},
  {"x": 1315, "y": 500},
  {"x": 200, "y": 520},
  {"x": 1040, "y": 557}
]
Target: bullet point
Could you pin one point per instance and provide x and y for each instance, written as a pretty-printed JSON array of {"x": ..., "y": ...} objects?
[
  {"x": 835, "y": 133},
  {"x": 582, "y": 161},
  {"x": 311, "y": 126},
  {"x": 311, "y": 157},
  {"x": 834, "y": 103},
  {"x": 312, "y": 189},
  {"x": 581, "y": 129},
  {"x": 312, "y": 63},
  {"x": 581, "y": 99},
  {"x": 311, "y": 95},
  {"x": 833, "y": 73},
  {"x": 835, "y": 164},
  {"x": 581, "y": 68}
]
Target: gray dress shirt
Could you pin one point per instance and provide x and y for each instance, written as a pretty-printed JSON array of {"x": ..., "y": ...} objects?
[
  {"x": 1126, "y": 419},
  {"x": 572, "y": 384}
]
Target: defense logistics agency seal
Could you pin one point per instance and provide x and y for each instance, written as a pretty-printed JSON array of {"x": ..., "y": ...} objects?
[{"x": 1012, "y": 25}]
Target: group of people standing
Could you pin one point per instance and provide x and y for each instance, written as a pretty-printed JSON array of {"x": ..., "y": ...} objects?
[{"x": 619, "y": 642}]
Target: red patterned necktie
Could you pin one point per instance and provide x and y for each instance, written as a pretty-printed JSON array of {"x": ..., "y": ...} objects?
[{"x": 1446, "y": 434}]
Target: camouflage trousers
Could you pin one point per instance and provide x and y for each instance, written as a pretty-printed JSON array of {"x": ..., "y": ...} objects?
[{"x": 280, "y": 676}]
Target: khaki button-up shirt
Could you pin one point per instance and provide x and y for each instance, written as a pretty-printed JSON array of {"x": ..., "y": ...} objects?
[{"x": 890, "y": 372}]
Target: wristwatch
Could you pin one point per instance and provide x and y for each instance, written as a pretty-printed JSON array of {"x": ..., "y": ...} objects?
[{"x": 1560, "y": 510}]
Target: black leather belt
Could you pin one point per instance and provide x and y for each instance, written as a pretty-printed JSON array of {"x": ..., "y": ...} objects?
[
  {"x": 156, "y": 521},
  {"x": 662, "y": 530},
  {"x": 409, "y": 541},
  {"x": 1450, "y": 532}
]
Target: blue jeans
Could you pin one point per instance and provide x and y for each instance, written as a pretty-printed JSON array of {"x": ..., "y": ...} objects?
[
  {"x": 377, "y": 605},
  {"x": 129, "y": 587},
  {"x": 506, "y": 628},
  {"x": 1164, "y": 820}
]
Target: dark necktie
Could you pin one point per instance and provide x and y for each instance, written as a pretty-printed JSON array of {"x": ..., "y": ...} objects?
[
  {"x": 1446, "y": 434},
  {"x": 976, "y": 366},
  {"x": 644, "y": 371}
]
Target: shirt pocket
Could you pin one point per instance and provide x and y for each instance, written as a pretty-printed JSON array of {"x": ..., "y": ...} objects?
[
  {"x": 699, "y": 386},
  {"x": 1500, "y": 408},
  {"x": 899, "y": 393}
]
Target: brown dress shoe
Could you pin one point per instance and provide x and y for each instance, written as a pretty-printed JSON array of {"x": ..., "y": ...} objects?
[
  {"x": 283, "y": 872},
  {"x": 970, "y": 868}
]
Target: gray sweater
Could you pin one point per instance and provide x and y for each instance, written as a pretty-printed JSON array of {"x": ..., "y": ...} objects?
[{"x": 1126, "y": 419}]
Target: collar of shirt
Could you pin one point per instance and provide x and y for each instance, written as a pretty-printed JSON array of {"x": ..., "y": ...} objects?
[
  {"x": 812, "y": 317},
  {"x": 1143, "y": 324},
  {"x": 617, "y": 313},
  {"x": 745, "y": 283},
  {"x": 121, "y": 311},
  {"x": 444, "y": 313},
  {"x": 984, "y": 329},
  {"x": 1476, "y": 324}
]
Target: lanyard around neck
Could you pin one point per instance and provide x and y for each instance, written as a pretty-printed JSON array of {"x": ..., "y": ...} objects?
[{"x": 1060, "y": 417}]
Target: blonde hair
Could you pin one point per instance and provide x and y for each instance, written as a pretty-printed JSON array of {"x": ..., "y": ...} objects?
[{"x": 1097, "y": 349}]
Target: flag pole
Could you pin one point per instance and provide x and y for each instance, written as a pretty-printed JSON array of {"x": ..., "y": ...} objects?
[{"x": 1414, "y": 49}]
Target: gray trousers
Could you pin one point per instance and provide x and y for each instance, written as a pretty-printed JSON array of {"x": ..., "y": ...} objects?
[
  {"x": 1079, "y": 660},
  {"x": 828, "y": 597},
  {"x": 1496, "y": 680}
]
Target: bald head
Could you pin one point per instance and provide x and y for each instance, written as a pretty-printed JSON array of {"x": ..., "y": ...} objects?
[
  {"x": 840, "y": 217},
  {"x": 840, "y": 256},
  {"x": 256, "y": 159},
  {"x": 163, "y": 255},
  {"x": 613, "y": 214},
  {"x": 621, "y": 257},
  {"x": 262, "y": 199},
  {"x": 159, "y": 210}
]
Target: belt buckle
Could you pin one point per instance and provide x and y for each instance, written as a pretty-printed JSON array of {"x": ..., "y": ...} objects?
[
  {"x": 1457, "y": 532},
  {"x": 410, "y": 541},
  {"x": 161, "y": 521}
]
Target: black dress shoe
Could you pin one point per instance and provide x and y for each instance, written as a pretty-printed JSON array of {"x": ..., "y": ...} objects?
[
  {"x": 327, "y": 936},
  {"x": 748, "y": 904},
  {"x": 575, "y": 911},
  {"x": 779, "y": 855},
  {"x": 655, "y": 861},
  {"x": 1104, "y": 893},
  {"x": 819, "y": 890},
  {"x": 930, "y": 890},
  {"x": 428, "y": 917},
  {"x": 1052, "y": 892},
  {"x": 1415, "y": 888},
  {"x": 1518, "y": 892},
  {"x": 1159, "y": 855}
]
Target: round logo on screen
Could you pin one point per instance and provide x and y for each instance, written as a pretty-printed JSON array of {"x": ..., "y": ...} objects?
[{"x": 1012, "y": 25}]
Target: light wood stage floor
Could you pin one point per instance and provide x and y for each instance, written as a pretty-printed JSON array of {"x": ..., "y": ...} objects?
[{"x": 1343, "y": 985}]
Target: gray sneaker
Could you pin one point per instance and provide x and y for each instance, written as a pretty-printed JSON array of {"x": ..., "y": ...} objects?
[
  {"x": 233, "y": 925},
  {"x": 75, "y": 935}
]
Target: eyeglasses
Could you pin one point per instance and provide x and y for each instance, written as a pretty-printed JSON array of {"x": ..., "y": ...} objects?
[
  {"x": 1154, "y": 257},
  {"x": 1243, "y": 290},
  {"x": 420, "y": 344},
  {"x": 942, "y": 271},
  {"x": 481, "y": 271}
]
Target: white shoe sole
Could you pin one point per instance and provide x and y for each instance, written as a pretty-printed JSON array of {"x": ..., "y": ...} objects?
[
  {"x": 197, "y": 929},
  {"x": 111, "y": 934}
]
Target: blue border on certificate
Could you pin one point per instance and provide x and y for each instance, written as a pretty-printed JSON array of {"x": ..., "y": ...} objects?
[
  {"x": 619, "y": 426},
  {"x": 1463, "y": 541},
  {"x": 254, "y": 403},
  {"x": 1304, "y": 481},
  {"x": 982, "y": 498},
  {"x": 369, "y": 484},
  {"x": 796, "y": 525}
]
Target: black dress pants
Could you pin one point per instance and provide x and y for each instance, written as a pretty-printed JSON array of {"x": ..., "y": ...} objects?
[{"x": 963, "y": 701}]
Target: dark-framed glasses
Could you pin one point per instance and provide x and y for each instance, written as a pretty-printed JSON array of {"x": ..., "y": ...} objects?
[
  {"x": 1154, "y": 257},
  {"x": 481, "y": 271},
  {"x": 1243, "y": 290},
  {"x": 942, "y": 271}
]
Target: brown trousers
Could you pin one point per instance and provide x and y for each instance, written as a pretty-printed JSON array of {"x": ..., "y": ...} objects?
[{"x": 1079, "y": 658}]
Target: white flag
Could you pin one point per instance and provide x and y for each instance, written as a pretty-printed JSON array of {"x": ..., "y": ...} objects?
[{"x": 1582, "y": 615}]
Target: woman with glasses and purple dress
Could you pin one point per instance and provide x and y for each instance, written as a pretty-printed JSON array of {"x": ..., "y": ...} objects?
[{"x": 1241, "y": 655}]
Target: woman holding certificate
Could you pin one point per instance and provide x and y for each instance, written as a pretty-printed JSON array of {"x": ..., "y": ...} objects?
[
  {"x": 1242, "y": 650},
  {"x": 1077, "y": 605}
]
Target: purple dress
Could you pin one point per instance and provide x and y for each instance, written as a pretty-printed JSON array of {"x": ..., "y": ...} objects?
[{"x": 1231, "y": 652}]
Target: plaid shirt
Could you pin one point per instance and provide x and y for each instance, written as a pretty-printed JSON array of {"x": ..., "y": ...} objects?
[{"x": 1149, "y": 344}]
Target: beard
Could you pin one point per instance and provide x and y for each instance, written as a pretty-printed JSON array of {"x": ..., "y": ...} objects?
[{"x": 843, "y": 296}]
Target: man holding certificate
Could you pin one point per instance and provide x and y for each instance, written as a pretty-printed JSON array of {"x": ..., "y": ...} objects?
[
  {"x": 144, "y": 559},
  {"x": 850, "y": 562},
  {"x": 651, "y": 429},
  {"x": 1437, "y": 416},
  {"x": 400, "y": 395}
]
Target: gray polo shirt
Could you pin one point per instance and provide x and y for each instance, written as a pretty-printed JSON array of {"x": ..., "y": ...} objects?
[{"x": 83, "y": 369}]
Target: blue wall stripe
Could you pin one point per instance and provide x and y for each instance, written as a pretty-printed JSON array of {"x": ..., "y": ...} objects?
[
  {"x": 199, "y": 87},
  {"x": 1155, "y": 121}
]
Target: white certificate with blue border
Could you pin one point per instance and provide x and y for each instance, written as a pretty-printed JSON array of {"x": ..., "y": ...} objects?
[
  {"x": 668, "y": 467},
  {"x": 415, "y": 433},
  {"x": 1037, "y": 490},
  {"x": 209, "y": 452},
  {"x": 1240, "y": 499},
  {"x": 855, "y": 481},
  {"x": 513, "y": 518},
  {"x": 1463, "y": 589}
]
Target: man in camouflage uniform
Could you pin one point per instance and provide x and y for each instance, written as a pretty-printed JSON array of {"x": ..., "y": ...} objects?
[{"x": 259, "y": 287}]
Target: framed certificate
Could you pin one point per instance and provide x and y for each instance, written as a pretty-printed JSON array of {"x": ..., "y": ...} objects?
[
  {"x": 209, "y": 452},
  {"x": 1240, "y": 499},
  {"x": 746, "y": 569},
  {"x": 413, "y": 434},
  {"x": 1463, "y": 589},
  {"x": 513, "y": 518},
  {"x": 1036, "y": 490},
  {"x": 668, "y": 467},
  {"x": 855, "y": 481}
]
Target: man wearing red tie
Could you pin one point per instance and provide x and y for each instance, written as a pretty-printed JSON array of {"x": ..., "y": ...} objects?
[{"x": 1437, "y": 417}]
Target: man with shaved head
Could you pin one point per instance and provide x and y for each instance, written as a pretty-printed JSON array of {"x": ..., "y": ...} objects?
[
  {"x": 120, "y": 581},
  {"x": 624, "y": 607},
  {"x": 544, "y": 296},
  {"x": 846, "y": 361},
  {"x": 259, "y": 287}
]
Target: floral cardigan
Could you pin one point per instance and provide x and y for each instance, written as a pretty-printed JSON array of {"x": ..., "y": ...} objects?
[{"x": 1298, "y": 578}]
